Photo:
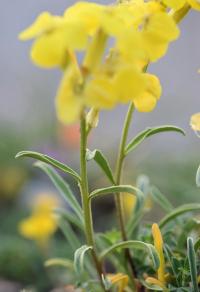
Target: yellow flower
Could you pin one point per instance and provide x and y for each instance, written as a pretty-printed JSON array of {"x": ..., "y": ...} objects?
[
  {"x": 195, "y": 122},
  {"x": 158, "y": 243},
  {"x": 54, "y": 37},
  {"x": 41, "y": 225},
  {"x": 160, "y": 29},
  {"x": 120, "y": 280},
  {"x": 148, "y": 99},
  {"x": 141, "y": 32}
]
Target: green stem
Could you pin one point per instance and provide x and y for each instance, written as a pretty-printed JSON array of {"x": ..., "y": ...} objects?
[
  {"x": 118, "y": 198},
  {"x": 85, "y": 200}
]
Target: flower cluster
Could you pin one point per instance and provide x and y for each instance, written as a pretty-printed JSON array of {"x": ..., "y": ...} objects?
[{"x": 116, "y": 42}]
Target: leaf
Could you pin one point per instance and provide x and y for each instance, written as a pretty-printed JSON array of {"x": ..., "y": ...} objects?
[
  {"x": 198, "y": 177},
  {"x": 192, "y": 224},
  {"x": 148, "y": 133},
  {"x": 160, "y": 199},
  {"x": 79, "y": 256},
  {"x": 170, "y": 259},
  {"x": 59, "y": 262},
  {"x": 177, "y": 212},
  {"x": 116, "y": 189},
  {"x": 139, "y": 210},
  {"x": 69, "y": 216},
  {"x": 197, "y": 245},
  {"x": 62, "y": 187},
  {"x": 101, "y": 160},
  {"x": 192, "y": 263},
  {"x": 69, "y": 234},
  {"x": 137, "y": 245},
  {"x": 152, "y": 286},
  {"x": 49, "y": 160}
]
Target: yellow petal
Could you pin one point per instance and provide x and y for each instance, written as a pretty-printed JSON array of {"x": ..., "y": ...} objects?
[
  {"x": 69, "y": 101},
  {"x": 99, "y": 93},
  {"x": 44, "y": 22},
  {"x": 129, "y": 83},
  {"x": 158, "y": 243},
  {"x": 153, "y": 85},
  {"x": 160, "y": 30},
  {"x": 86, "y": 13},
  {"x": 195, "y": 122},
  {"x": 145, "y": 103},
  {"x": 49, "y": 50}
]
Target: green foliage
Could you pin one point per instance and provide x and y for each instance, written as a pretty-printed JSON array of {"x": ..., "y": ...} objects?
[
  {"x": 181, "y": 264},
  {"x": 136, "y": 141}
]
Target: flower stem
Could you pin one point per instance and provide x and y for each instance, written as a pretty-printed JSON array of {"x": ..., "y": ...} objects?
[
  {"x": 85, "y": 200},
  {"x": 118, "y": 198}
]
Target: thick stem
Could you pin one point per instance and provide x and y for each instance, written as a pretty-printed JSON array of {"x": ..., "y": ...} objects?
[
  {"x": 85, "y": 200},
  {"x": 118, "y": 198}
]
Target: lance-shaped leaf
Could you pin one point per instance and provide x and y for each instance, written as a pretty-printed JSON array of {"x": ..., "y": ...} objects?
[
  {"x": 192, "y": 264},
  {"x": 49, "y": 160},
  {"x": 198, "y": 177},
  {"x": 139, "y": 210},
  {"x": 135, "y": 245},
  {"x": 161, "y": 200},
  {"x": 70, "y": 217},
  {"x": 116, "y": 189},
  {"x": 62, "y": 187},
  {"x": 177, "y": 212},
  {"x": 59, "y": 262},
  {"x": 103, "y": 163},
  {"x": 69, "y": 234},
  {"x": 79, "y": 258},
  {"x": 148, "y": 133}
]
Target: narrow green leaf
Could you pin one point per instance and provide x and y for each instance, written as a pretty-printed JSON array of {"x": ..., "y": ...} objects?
[
  {"x": 103, "y": 163},
  {"x": 136, "y": 245},
  {"x": 49, "y": 160},
  {"x": 79, "y": 256},
  {"x": 170, "y": 259},
  {"x": 116, "y": 189},
  {"x": 192, "y": 263},
  {"x": 198, "y": 177},
  {"x": 152, "y": 286},
  {"x": 160, "y": 199},
  {"x": 59, "y": 262},
  {"x": 186, "y": 229},
  {"x": 148, "y": 133},
  {"x": 177, "y": 212},
  {"x": 70, "y": 217},
  {"x": 62, "y": 187},
  {"x": 69, "y": 234},
  {"x": 197, "y": 245},
  {"x": 139, "y": 210}
]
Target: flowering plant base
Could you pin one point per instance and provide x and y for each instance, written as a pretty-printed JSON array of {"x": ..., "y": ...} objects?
[{"x": 161, "y": 257}]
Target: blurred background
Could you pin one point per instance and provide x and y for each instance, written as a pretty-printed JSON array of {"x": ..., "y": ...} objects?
[{"x": 28, "y": 122}]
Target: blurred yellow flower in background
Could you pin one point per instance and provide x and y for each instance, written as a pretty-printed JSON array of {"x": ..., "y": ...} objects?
[
  {"x": 41, "y": 224},
  {"x": 195, "y": 122}
]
